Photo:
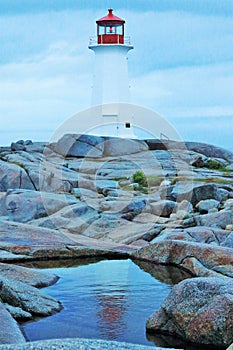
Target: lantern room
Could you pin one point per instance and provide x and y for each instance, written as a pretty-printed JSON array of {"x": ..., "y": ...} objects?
[{"x": 110, "y": 29}]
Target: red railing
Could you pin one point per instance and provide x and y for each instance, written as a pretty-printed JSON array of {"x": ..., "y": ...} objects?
[{"x": 105, "y": 39}]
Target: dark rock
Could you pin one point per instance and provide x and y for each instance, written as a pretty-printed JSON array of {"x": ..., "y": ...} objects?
[
  {"x": 156, "y": 145},
  {"x": 73, "y": 145},
  {"x": 163, "y": 208},
  {"x": 134, "y": 208},
  {"x": 104, "y": 186},
  {"x": 16, "y": 146},
  {"x": 198, "y": 162},
  {"x": 195, "y": 192},
  {"x": 28, "y": 142}
]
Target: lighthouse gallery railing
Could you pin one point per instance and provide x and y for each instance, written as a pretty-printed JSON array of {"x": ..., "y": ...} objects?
[{"x": 94, "y": 41}]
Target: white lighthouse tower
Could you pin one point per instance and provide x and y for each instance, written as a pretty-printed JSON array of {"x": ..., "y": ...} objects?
[{"x": 111, "y": 83}]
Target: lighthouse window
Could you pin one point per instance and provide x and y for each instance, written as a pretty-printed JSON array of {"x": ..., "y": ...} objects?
[
  {"x": 127, "y": 125},
  {"x": 119, "y": 29},
  {"x": 111, "y": 29},
  {"x": 101, "y": 30}
]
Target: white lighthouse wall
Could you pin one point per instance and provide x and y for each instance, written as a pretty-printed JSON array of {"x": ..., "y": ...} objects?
[{"x": 110, "y": 83}]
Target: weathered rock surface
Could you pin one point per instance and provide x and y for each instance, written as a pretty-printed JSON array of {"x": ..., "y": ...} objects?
[
  {"x": 32, "y": 277},
  {"x": 194, "y": 192},
  {"x": 24, "y": 205},
  {"x": 88, "y": 205},
  {"x": 163, "y": 208},
  {"x": 73, "y": 145},
  {"x": 13, "y": 176},
  {"x": 198, "y": 310},
  {"x": 210, "y": 150},
  {"x": 204, "y": 206},
  {"x": 200, "y": 259},
  {"x": 17, "y": 313},
  {"x": 114, "y": 147},
  {"x": 9, "y": 330},
  {"x": 27, "y": 298},
  {"x": 220, "y": 219},
  {"x": 74, "y": 218},
  {"x": 84, "y": 344}
]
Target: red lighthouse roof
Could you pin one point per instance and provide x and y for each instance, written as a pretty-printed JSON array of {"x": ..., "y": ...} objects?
[{"x": 110, "y": 18}]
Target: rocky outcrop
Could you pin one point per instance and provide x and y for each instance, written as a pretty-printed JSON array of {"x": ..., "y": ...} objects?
[
  {"x": 73, "y": 145},
  {"x": 78, "y": 198},
  {"x": 198, "y": 310}
]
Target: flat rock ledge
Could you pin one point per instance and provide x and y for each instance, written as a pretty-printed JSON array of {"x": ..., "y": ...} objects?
[{"x": 77, "y": 344}]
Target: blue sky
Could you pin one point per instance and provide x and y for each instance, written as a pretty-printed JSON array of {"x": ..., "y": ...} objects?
[{"x": 181, "y": 67}]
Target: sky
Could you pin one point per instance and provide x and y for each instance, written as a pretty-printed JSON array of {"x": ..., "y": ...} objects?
[{"x": 181, "y": 66}]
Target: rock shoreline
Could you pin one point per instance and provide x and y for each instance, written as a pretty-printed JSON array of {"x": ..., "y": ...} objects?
[{"x": 78, "y": 198}]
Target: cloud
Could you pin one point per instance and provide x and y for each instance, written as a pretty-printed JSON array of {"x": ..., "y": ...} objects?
[
  {"x": 188, "y": 91},
  {"x": 207, "y": 7},
  {"x": 181, "y": 67}
]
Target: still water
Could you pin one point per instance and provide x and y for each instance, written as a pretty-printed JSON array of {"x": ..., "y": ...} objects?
[{"x": 109, "y": 299}]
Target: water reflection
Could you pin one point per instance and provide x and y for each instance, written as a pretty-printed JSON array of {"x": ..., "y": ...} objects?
[
  {"x": 168, "y": 341},
  {"x": 111, "y": 314},
  {"x": 108, "y": 299},
  {"x": 165, "y": 274}
]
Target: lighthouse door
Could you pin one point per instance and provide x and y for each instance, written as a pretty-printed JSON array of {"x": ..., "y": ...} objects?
[{"x": 110, "y": 125}]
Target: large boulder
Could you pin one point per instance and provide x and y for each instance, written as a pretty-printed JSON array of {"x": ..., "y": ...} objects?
[
  {"x": 13, "y": 176},
  {"x": 220, "y": 219},
  {"x": 204, "y": 206},
  {"x": 74, "y": 218},
  {"x": 163, "y": 208},
  {"x": 74, "y": 145},
  {"x": 199, "y": 310},
  {"x": 195, "y": 192},
  {"x": 200, "y": 259},
  {"x": 210, "y": 150},
  {"x": 119, "y": 147},
  {"x": 23, "y": 205}
]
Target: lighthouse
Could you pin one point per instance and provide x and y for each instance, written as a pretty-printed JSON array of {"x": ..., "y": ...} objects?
[{"x": 110, "y": 82}]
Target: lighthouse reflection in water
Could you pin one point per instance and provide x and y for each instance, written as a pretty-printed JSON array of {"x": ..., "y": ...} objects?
[{"x": 110, "y": 300}]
